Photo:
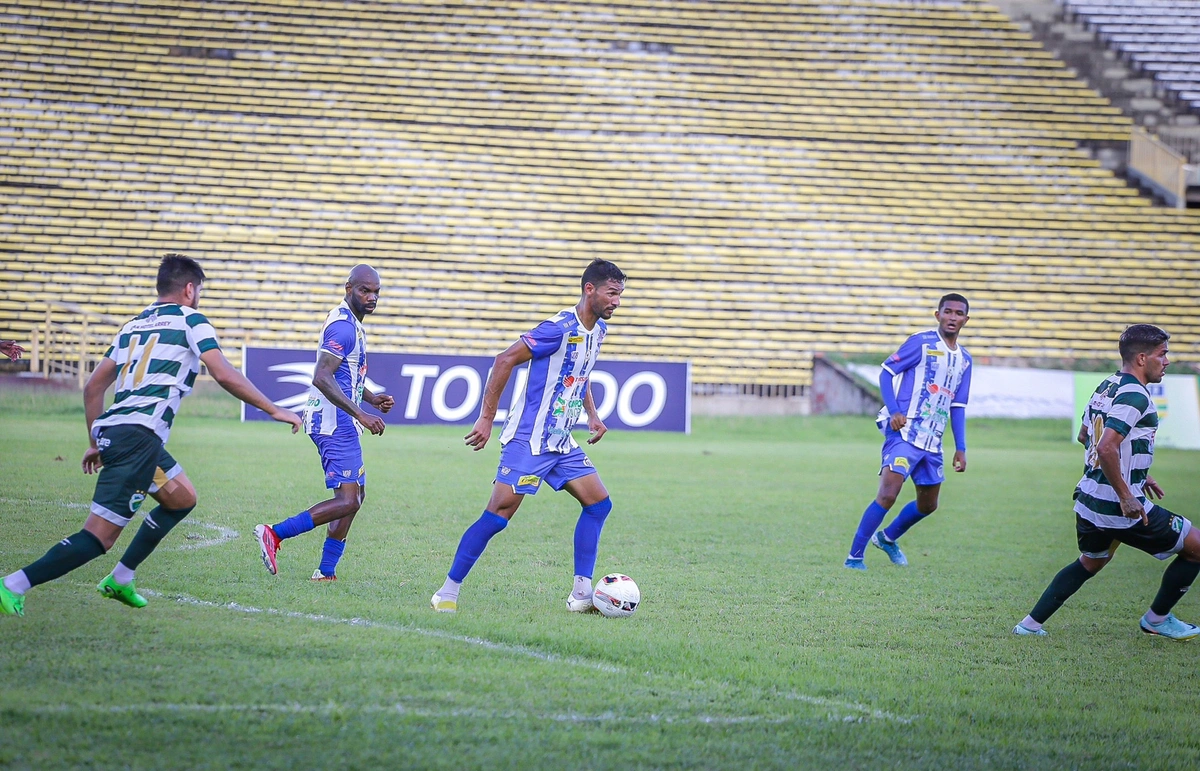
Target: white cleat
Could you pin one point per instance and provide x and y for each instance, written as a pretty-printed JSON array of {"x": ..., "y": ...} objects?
[
  {"x": 576, "y": 605},
  {"x": 442, "y": 605}
]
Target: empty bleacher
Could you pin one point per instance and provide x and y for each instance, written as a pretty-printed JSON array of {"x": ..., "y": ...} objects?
[{"x": 777, "y": 178}]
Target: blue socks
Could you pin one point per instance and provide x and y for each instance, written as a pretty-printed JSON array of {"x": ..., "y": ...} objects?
[
  {"x": 872, "y": 518},
  {"x": 294, "y": 526},
  {"x": 330, "y": 555},
  {"x": 907, "y": 517},
  {"x": 473, "y": 542},
  {"x": 587, "y": 536}
]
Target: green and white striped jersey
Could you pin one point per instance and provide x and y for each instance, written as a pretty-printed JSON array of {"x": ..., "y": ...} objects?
[
  {"x": 158, "y": 358},
  {"x": 1123, "y": 404}
]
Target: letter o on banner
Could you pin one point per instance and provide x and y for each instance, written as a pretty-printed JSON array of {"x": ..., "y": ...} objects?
[
  {"x": 469, "y": 403},
  {"x": 609, "y": 401},
  {"x": 658, "y": 399}
]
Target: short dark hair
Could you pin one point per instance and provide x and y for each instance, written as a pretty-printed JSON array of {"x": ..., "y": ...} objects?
[
  {"x": 177, "y": 271},
  {"x": 1140, "y": 338},
  {"x": 599, "y": 272},
  {"x": 954, "y": 297}
]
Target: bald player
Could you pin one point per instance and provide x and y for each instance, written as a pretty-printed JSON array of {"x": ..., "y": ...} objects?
[{"x": 334, "y": 419}]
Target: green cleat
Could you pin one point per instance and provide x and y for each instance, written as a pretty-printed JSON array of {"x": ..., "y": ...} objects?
[
  {"x": 11, "y": 603},
  {"x": 126, "y": 595}
]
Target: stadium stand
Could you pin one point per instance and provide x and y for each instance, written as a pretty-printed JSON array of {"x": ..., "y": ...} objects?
[{"x": 776, "y": 178}]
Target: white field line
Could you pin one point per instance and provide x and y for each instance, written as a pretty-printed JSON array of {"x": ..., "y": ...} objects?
[
  {"x": 862, "y": 710},
  {"x": 519, "y": 650},
  {"x": 422, "y": 712},
  {"x": 36, "y": 502},
  {"x": 223, "y": 533}
]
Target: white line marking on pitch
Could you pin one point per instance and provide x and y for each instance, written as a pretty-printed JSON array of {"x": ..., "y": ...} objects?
[
  {"x": 519, "y": 650},
  {"x": 223, "y": 534},
  {"x": 35, "y": 502},
  {"x": 863, "y": 710},
  {"x": 404, "y": 710}
]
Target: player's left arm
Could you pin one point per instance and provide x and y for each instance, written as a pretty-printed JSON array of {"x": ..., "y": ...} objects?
[
  {"x": 595, "y": 424},
  {"x": 958, "y": 418},
  {"x": 381, "y": 402}
]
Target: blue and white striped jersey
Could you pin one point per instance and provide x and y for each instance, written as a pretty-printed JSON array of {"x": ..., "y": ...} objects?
[
  {"x": 564, "y": 353},
  {"x": 929, "y": 378},
  {"x": 342, "y": 336}
]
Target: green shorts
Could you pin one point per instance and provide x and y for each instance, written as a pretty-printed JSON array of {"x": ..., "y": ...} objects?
[
  {"x": 1161, "y": 538},
  {"x": 135, "y": 464}
]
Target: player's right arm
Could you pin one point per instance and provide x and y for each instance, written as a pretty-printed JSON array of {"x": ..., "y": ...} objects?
[
  {"x": 102, "y": 377},
  {"x": 905, "y": 358},
  {"x": 514, "y": 356},
  {"x": 1108, "y": 452},
  {"x": 323, "y": 379},
  {"x": 236, "y": 383}
]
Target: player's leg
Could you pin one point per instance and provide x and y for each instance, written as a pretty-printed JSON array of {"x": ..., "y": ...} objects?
[
  {"x": 335, "y": 542},
  {"x": 576, "y": 474},
  {"x": 1096, "y": 547},
  {"x": 341, "y": 459},
  {"x": 1171, "y": 534},
  {"x": 176, "y": 497},
  {"x": 130, "y": 458},
  {"x": 891, "y": 480},
  {"x": 501, "y": 507},
  {"x": 913, "y": 512}
]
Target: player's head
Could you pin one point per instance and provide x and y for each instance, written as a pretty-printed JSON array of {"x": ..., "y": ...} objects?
[
  {"x": 180, "y": 279},
  {"x": 1144, "y": 347},
  {"x": 602, "y": 285},
  {"x": 952, "y": 314},
  {"x": 362, "y": 290}
]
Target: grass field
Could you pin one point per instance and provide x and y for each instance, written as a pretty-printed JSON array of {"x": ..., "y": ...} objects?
[{"x": 753, "y": 648}]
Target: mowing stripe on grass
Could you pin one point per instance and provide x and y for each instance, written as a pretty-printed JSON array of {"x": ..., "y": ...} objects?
[
  {"x": 35, "y": 502},
  {"x": 422, "y": 712},
  {"x": 519, "y": 650}
]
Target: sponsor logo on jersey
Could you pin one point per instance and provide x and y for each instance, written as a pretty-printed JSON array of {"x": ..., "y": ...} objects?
[
  {"x": 335, "y": 346},
  {"x": 900, "y": 463},
  {"x": 529, "y": 341},
  {"x": 575, "y": 339},
  {"x": 529, "y": 480},
  {"x": 934, "y": 388}
]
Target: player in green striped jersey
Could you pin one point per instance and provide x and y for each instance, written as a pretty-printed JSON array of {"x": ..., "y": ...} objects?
[
  {"x": 153, "y": 361},
  {"x": 1113, "y": 499}
]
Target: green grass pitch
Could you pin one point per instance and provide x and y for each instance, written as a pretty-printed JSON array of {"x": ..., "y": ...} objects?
[{"x": 753, "y": 648}]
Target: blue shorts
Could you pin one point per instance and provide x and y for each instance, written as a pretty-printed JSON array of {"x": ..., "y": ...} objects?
[
  {"x": 525, "y": 472},
  {"x": 905, "y": 459},
  {"x": 341, "y": 457}
]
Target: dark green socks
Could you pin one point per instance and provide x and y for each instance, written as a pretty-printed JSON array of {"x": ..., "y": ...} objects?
[
  {"x": 1176, "y": 580},
  {"x": 154, "y": 528},
  {"x": 71, "y": 552},
  {"x": 1066, "y": 583}
]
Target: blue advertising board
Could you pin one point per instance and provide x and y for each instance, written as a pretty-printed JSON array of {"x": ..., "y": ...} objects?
[{"x": 432, "y": 389}]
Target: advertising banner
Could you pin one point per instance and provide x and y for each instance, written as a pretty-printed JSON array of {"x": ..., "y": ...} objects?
[
  {"x": 1176, "y": 398},
  {"x": 436, "y": 389}
]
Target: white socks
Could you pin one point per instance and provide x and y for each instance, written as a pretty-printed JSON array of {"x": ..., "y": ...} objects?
[
  {"x": 17, "y": 583},
  {"x": 1154, "y": 618},
  {"x": 449, "y": 590},
  {"x": 583, "y": 588},
  {"x": 1030, "y": 624},
  {"x": 122, "y": 575}
]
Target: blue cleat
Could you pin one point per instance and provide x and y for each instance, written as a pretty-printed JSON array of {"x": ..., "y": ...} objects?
[
  {"x": 1171, "y": 628},
  {"x": 1020, "y": 630},
  {"x": 890, "y": 548},
  {"x": 855, "y": 563}
]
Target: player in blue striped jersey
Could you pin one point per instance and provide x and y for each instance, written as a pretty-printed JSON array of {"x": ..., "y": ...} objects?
[
  {"x": 925, "y": 385},
  {"x": 1114, "y": 499},
  {"x": 334, "y": 419},
  {"x": 537, "y": 445},
  {"x": 154, "y": 361}
]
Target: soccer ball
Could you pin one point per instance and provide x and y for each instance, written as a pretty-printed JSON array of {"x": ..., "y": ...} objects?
[{"x": 616, "y": 596}]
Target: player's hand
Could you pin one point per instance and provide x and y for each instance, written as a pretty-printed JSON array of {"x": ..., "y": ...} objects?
[
  {"x": 372, "y": 423},
  {"x": 92, "y": 460},
  {"x": 597, "y": 429},
  {"x": 1133, "y": 509},
  {"x": 287, "y": 416},
  {"x": 899, "y": 420},
  {"x": 960, "y": 461},
  {"x": 10, "y": 349},
  {"x": 481, "y": 432},
  {"x": 1153, "y": 489},
  {"x": 384, "y": 403}
]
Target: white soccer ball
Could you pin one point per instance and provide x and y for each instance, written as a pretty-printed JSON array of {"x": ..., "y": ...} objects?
[{"x": 616, "y": 596}]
